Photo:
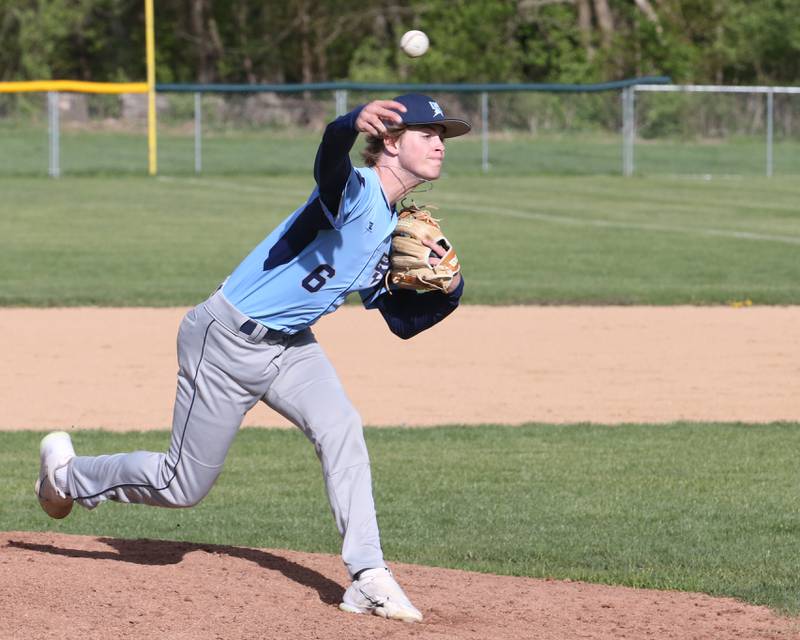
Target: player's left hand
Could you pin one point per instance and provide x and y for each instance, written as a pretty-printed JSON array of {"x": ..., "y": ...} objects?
[{"x": 421, "y": 257}]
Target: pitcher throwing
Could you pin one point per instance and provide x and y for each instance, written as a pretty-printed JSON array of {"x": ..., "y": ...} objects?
[{"x": 251, "y": 341}]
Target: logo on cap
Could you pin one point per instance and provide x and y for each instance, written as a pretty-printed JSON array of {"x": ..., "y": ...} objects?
[{"x": 437, "y": 110}]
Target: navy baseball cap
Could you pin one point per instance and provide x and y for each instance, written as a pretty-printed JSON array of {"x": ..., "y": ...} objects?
[{"x": 422, "y": 109}]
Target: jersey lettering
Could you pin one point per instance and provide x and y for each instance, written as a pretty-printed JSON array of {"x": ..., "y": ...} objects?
[
  {"x": 380, "y": 270},
  {"x": 315, "y": 280}
]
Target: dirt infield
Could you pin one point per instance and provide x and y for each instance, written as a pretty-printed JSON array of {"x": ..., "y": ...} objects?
[
  {"x": 99, "y": 588},
  {"x": 115, "y": 368}
]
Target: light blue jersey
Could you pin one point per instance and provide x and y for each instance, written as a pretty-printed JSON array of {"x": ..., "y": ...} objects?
[{"x": 310, "y": 263}]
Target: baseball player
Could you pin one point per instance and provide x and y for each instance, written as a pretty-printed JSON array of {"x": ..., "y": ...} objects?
[{"x": 251, "y": 341}]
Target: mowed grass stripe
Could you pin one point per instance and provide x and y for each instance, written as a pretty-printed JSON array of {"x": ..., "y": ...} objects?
[
  {"x": 678, "y": 203},
  {"x": 736, "y": 206},
  {"x": 494, "y": 207},
  {"x": 713, "y": 508},
  {"x": 601, "y": 240},
  {"x": 613, "y": 224}
]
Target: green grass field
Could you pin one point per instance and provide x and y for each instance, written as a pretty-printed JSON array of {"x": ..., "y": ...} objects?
[
  {"x": 713, "y": 508},
  {"x": 544, "y": 240}
]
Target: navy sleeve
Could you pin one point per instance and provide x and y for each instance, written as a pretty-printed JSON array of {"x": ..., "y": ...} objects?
[
  {"x": 332, "y": 165},
  {"x": 408, "y": 313}
]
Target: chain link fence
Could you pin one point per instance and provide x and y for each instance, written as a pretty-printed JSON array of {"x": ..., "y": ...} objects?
[
  {"x": 713, "y": 130},
  {"x": 622, "y": 128}
]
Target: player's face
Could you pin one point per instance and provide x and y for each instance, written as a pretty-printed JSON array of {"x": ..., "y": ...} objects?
[{"x": 421, "y": 151}]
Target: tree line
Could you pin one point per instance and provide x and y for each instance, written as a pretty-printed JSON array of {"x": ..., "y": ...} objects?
[{"x": 268, "y": 41}]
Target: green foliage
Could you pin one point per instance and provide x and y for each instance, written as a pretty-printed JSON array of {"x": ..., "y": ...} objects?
[
  {"x": 762, "y": 41},
  {"x": 551, "y": 46},
  {"x": 471, "y": 41},
  {"x": 75, "y": 39},
  {"x": 372, "y": 61},
  {"x": 710, "y": 508},
  {"x": 665, "y": 117},
  {"x": 733, "y": 41},
  {"x": 641, "y": 47}
]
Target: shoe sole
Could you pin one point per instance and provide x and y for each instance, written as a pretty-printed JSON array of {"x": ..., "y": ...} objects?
[
  {"x": 396, "y": 613},
  {"x": 56, "y": 510},
  {"x": 351, "y": 609}
]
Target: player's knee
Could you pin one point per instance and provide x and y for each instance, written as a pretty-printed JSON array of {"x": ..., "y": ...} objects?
[
  {"x": 189, "y": 486},
  {"x": 341, "y": 441},
  {"x": 184, "y": 499},
  {"x": 346, "y": 423}
]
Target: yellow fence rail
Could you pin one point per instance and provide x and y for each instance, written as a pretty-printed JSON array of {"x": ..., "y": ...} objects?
[{"x": 77, "y": 86}]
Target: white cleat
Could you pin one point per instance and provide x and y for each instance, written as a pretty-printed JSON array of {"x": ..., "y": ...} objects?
[
  {"x": 55, "y": 451},
  {"x": 376, "y": 591}
]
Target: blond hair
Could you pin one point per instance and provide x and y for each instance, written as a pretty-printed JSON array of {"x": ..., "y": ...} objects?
[{"x": 375, "y": 146}]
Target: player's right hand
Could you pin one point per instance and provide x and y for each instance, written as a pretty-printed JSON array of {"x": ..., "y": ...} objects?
[{"x": 374, "y": 116}]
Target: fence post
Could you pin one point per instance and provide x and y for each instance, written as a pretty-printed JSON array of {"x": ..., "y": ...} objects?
[
  {"x": 770, "y": 118},
  {"x": 341, "y": 101},
  {"x": 54, "y": 169},
  {"x": 485, "y": 131},
  {"x": 198, "y": 132},
  {"x": 628, "y": 130}
]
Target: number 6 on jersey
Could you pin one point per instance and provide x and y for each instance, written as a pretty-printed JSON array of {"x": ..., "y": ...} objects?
[{"x": 315, "y": 280}]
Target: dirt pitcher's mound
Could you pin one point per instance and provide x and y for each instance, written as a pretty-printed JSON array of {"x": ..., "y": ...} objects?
[{"x": 59, "y": 586}]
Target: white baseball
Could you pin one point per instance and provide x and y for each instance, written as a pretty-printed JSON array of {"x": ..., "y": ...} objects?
[{"x": 414, "y": 43}]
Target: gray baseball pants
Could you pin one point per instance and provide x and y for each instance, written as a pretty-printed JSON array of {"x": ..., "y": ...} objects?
[{"x": 223, "y": 372}]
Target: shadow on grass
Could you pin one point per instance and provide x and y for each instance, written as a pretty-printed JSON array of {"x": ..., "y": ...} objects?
[{"x": 164, "y": 552}]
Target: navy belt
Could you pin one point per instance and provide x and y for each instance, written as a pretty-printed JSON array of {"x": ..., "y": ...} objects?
[{"x": 250, "y": 326}]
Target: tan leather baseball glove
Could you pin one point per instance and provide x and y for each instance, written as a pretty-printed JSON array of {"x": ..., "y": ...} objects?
[{"x": 410, "y": 258}]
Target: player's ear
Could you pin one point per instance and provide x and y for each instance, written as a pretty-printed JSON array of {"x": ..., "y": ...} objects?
[{"x": 391, "y": 143}]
